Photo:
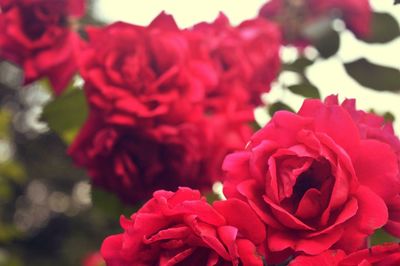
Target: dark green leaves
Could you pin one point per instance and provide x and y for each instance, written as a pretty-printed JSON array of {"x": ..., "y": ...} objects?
[
  {"x": 327, "y": 44},
  {"x": 277, "y": 107},
  {"x": 66, "y": 114},
  {"x": 374, "y": 76},
  {"x": 384, "y": 28},
  {"x": 110, "y": 205},
  {"x": 380, "y": 237},
  {"x": 306, "y": 90}
]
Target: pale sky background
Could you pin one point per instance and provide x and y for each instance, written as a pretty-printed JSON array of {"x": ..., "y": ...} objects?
[{"x": 328, "y": 75}]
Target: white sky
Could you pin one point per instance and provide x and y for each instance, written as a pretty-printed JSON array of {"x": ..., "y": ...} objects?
[{"x": 328, "y": 75}]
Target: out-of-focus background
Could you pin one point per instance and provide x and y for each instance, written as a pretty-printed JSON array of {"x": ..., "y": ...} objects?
[{"x": 48, "y": 211}]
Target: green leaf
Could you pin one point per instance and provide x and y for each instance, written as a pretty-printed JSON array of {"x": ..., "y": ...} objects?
[
  {"x": 6, "y": 192},
  {"x": 306, "y": 90},
  {"x": 14, "y": 171},
  {"x": 389, "y": 117},
  {"x": 8, "y": 232},
  {"x": 380, "y": 236},
  {"x": 278, "y": 106},
  {"x": 110, "y": 204},
  {"x": 328, "y": 43},
  {"x": 299, "y": 65},
  {"x": 66, "y": 114},
  {"x": 255, "y": 126},
  {"x": 374, "y": 76},
  {"x": 5, "y": 120},
  {"x": 211, "y": 197},
  {"x": 384, "y": 28}
]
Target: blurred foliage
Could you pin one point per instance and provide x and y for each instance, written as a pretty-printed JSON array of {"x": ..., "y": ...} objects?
[
  {"x": 278, "y": 106},
  {"x": 306, "y": 90},
  {"x": 72, "y": 107},
  {"x": 327, "y": 43},
  {"x": 384, "y": 28},
  {"x": 374, "y": 76}
]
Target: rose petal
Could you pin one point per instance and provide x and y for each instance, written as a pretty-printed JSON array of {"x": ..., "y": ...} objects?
[
  {"x": 377, "y": 167},
  {"x": 309, "y": 205},
  {"x": 282, "y": 129},
  {"x": 327, "y": 258},
  {"x": 372, "y": 214},
  {"x": 280, "y": 240},
  {"x": 248, "y": 253},
  {"x": 334, "y": 121},
  {"x": 239, "y": 214}
]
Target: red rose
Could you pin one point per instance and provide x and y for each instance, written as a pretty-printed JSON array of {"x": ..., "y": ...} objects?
[
  {"x": 93, "y": 259},
  {"x": 295, "y": 17},
  {"x": 35, "y": 35},
  {"x": 246, "y": 57},
  {"x": 313, "y": 180},
  {"x": 149, "y": 126},
  {"x": 138, "y": 74},
  {"x": 182, "y": 228},
  {"x": 381, "y": 255},
  {"x": 134, "y": 161},
  {"x": 326, "y": 258},
  {"x": 372, "y": 126}
]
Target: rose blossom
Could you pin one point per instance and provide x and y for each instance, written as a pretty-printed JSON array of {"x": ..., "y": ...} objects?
[
  {"x": 246, "y": 57},
  {"x": 374, "y": 127},
  {"x": 295, "y": 16},
  {"x": 380, "y": 255},
  {"x": 36, "y": 36},
  {"x": 134, "y": 161},
  {"x": 182, "y": 228},
  {"x": 148, "y": 126},
  {"x": 312, "y": 179}
]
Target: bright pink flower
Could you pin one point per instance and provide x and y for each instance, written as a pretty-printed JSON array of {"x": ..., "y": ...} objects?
[
  {"x": 313, "y": 180},
  {"x": 381, "y": 255},
  {"x": 181, "y": 228}
]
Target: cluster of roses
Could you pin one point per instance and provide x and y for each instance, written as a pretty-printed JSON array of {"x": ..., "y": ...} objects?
[
  {"x": 167, "y": 105},
  {"x": 309, "y": 189}
]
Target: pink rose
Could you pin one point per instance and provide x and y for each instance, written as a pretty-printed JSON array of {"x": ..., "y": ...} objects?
[
  {"x": 381, "y": 255},
  {"x": 181, "y": 228},
  {"x": 313, "y": 180}
]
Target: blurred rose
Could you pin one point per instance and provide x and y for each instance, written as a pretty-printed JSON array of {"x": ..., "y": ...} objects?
[
  {"x": 36, "y": 36},
  {"x": 150, "y": 126},
  {"x": 134, "y": 161},
  {"x": 246, "y": 58},
  {"x": 296, "y": 17}
]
